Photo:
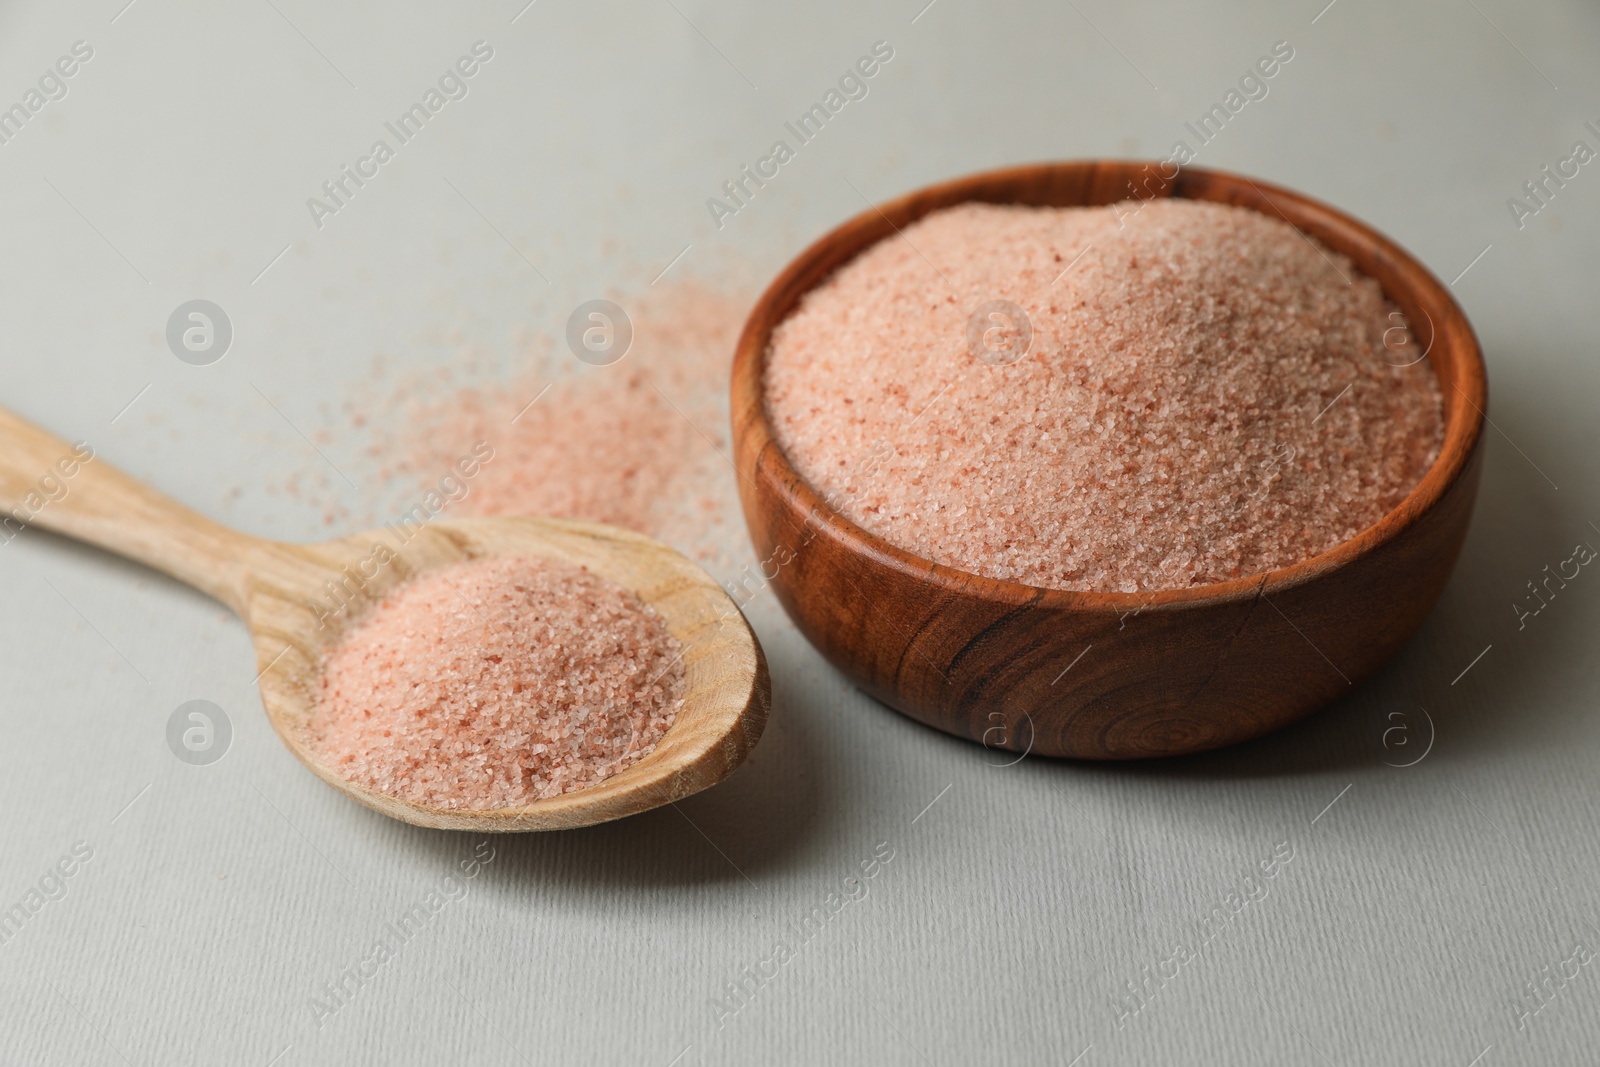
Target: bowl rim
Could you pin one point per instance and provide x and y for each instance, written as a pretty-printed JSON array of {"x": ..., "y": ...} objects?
[{"x": 759, "y": 455}]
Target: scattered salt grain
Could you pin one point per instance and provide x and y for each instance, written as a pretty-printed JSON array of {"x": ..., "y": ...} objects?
[
  {"x": 494, "y": 683},
  {"x": 1208, "y": 394},
  {"x": 641, "y": 443}
]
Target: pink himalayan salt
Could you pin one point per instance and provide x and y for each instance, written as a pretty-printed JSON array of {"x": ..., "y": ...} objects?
[
  {"x": 640, "y": 444},
  {"x": 1208, "y": 394},
  {"x": 493, "y": 683}
]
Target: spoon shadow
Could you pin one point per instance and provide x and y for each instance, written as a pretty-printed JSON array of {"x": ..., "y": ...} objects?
[{"x": 733, "y": 832}]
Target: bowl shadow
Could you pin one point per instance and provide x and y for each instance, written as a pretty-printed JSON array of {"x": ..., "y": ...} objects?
[{"x": 1517, "y": 525}]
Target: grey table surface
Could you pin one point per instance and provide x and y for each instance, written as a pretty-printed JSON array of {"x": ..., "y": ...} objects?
[{"x": 1442, "y": 913}]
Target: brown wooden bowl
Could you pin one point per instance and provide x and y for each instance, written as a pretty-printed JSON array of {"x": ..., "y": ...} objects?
[{"x": 1169, "y": 672}]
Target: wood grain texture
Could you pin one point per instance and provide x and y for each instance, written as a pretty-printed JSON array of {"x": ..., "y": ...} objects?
[
  {"x": 1169, "y": 672},
  {"x": 299, "y": 600}
]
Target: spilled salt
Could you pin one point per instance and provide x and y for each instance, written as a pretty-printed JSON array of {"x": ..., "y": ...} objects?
[
  {"x": 640, "y": 444},
  {"x": 1208, "y": 394},
  {"x": 493, "y": 683}
]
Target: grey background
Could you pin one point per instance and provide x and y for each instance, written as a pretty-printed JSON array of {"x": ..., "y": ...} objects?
[{"x": 219, "y": 898}]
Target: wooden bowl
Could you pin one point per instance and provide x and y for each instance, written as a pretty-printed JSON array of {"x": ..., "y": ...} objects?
[{"x": 1168, "y": 672}]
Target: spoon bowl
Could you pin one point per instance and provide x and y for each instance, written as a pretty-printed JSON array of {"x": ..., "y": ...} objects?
[{"x": 301, "y": 600}]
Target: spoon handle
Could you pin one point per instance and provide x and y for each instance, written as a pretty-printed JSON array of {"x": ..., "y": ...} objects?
[{"x": 69, "y": 489}]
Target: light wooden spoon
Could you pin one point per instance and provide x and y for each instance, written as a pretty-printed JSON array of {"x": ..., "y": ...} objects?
[{"x": 298, "y": 600}]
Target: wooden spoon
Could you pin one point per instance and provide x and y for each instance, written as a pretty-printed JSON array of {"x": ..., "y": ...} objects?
[{"x": 298, "y": 600}]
